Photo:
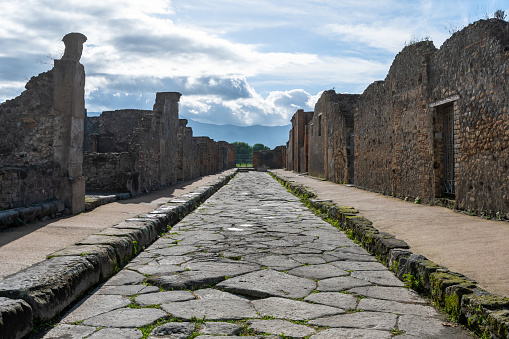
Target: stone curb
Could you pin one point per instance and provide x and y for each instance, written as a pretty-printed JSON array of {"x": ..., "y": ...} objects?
[
  {"x": 23, "y": 215},
  {"x": 486, "y": 314},
  {"x": 93, "y": 201},
  {"x": 39, "y": 292}
]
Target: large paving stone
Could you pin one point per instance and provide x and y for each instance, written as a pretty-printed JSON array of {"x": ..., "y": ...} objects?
[
  {"x": 380, "y": 305},
  {"x": 173, "y": 330},
  {"x": 211, "y": 309},
  {"x": 281, "y": 327},
  {"x": 267, "y": 283},
  {"x": 127, "y": 289},
  {"x": 363, "y": 320},
  {"x": 334, "y": 299},
  {"x": 276, "y": 262},
  {"x": 282, "y": 308},
  {"x": 340, "y": 284},
  {"x": 186, "y": 280},
  {"x": 157, "y": 269},
  {"x": 163, "y": 297},
  {"x": 175, "y": 250},
  {"x": 127, "y": 317},
  {"x": 220, "y": 328},
  {"x": 125, "y": 277},
  {"x": 352, "y": 256},
  {"x": 117, "y": 333},
  {"x": 388, "y": 293},
  {"x": 69, "y": 332},
  {"x": 211, "y": 293},
  {"x": 230, "y": 268},
  {"x": 423, "y": 327},
  {"x": 359, "y": 265},
  {"x": 94, "y": 305},
  {"x": 321, "y": 271},
  {"x": 381, "y": 278},
  {"x": 349, "y": 333}
]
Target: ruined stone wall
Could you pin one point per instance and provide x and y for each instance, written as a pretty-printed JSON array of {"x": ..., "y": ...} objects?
[
  {"x": 188, "y": 164},
  {"x": 271, "y": 159},
  {"x": 329, "y": 136},
  {"x": 42, "y": 136},
  {"x": 298, "y": 145},
  {"x": 222, "y": 155},
  {"x": 204, "y": 154},
  {"x": 151, "y": 137},
  {"x": 28, "y": 172},
  {"x": 401, "y": 126},
  {"x": 232, "y": 153},
  {"x": 393, "y": 129},
  {"x": 90, "y": 135},
  {"x": 112, "y": 172},
  {"x": 471, "y": 70},
  {"x": 132, "y": 131}
]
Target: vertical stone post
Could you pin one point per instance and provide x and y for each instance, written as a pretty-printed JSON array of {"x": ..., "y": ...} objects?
[
  {"x": 167, "y": 109},
  {"x": 69, "y": 111}
]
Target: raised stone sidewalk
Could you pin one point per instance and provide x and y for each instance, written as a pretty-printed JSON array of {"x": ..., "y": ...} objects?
[{"x": 253, "y": 261}]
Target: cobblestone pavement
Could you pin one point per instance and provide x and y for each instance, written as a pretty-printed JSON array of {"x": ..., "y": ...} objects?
[{"x": 253, "y": 260}]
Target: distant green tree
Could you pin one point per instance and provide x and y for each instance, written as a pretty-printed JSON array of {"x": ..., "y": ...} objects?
[
  {"x": 242, "y": 147},
  {"x": 260, "y": 147}
]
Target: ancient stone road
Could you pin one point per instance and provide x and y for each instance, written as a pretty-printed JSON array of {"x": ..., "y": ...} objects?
[{"x": 253, "y": 260}]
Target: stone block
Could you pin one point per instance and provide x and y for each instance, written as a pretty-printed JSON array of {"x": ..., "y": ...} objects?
[
  {"x": 15, "y": 318},
  {"x": 51, "y": 285},
  {"x": 123, "y": 246},
  {"x": 440, "y": 281},
  {"x": 103, "y": 255}
]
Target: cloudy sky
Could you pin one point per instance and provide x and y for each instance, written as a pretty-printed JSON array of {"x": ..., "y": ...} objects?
[{"x": 235, "y": 62}]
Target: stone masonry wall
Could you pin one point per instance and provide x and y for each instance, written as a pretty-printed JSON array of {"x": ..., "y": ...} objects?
[
  {"x": 297, "y": 148},
  {"x": 472, "y": 68},
  {"x": 329, "y": 136},
  {"x": 112, "y": 172},
  {"x": 188, "y": 165},
  {"x": 151, "y": 139},
  {"x": 392, "y": 129},
  {"x": 42, "y": 136},
  {"x": 400, "y": 127},
  {"x": 436, "y": 127}
]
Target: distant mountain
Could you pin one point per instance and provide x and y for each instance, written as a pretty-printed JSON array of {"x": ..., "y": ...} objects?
[{"x": 270, "y": 136}]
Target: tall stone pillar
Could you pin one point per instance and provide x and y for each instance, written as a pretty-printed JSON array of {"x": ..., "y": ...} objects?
[
  {"x": 167, "y": 109},
  {"x": 69, "y": 111}
]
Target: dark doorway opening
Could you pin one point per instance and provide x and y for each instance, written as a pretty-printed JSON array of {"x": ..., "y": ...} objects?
[{"x": 448, "y": 117}]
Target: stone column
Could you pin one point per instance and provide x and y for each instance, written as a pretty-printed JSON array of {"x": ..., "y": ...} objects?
[{"x": 69, "y": 111}]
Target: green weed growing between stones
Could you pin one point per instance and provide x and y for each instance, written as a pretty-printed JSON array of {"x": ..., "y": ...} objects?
[
  {"x": 412, "y": 282},
  {"x": 396, "y": 332}
]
